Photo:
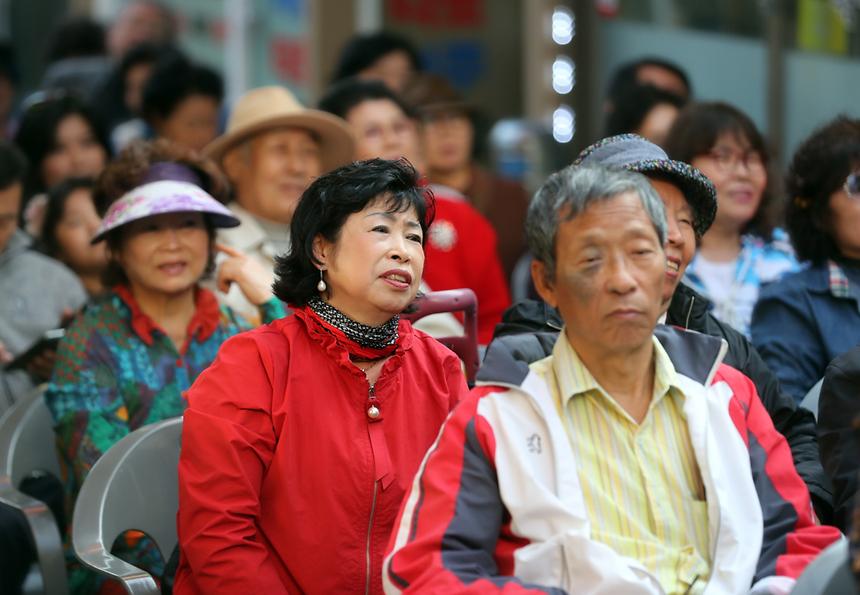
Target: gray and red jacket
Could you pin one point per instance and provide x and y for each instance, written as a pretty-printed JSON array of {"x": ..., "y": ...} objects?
[{"x": 496, "y": 506}]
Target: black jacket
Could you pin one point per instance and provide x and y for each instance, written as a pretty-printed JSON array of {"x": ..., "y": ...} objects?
[
  {"x": 838, "y": 410},
  {"x": 529, "y": 328}
]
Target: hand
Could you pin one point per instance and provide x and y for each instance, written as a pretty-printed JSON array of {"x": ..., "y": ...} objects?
[
  {"x": 42, "y": 366},
  {"x": 253, "y": 280},
  {"x": 5, "y": 355}
]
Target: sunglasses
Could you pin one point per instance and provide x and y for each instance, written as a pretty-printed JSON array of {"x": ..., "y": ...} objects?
[{"x": 852, "y": 185}]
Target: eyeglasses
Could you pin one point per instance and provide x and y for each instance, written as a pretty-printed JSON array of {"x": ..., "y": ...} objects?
[
  {"x": 852, "y": 185},
  {"x": 728, "y": 160}
]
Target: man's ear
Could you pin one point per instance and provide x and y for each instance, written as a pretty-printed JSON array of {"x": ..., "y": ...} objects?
[
  {"x": 233, "y": 163},
  {"x": 543, "y": 280}
]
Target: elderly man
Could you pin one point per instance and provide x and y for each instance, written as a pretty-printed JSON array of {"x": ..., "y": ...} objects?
[
  {"x": 529, "y": 328},
  {"x": 271, "y": 151},
  {"x": 629, "y": 461}
]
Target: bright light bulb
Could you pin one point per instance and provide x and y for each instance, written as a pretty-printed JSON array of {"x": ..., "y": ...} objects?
[
  {"x": 563, "y": 124},
  {"x": 563, "y": 75},
  {"x": 563, "y": 25}
]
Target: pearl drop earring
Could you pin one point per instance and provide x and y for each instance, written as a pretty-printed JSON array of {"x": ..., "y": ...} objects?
[{"x": 321, "y": 286}]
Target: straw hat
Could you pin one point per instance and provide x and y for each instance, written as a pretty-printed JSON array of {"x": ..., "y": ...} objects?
[{"x": 266, "y": 108}]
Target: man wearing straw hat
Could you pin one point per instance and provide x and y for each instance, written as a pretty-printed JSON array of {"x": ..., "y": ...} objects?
[{"x": 271, "y": 151}]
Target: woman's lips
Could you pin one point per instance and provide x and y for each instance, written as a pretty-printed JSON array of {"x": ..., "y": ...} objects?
[{"x": 172, "y": 268}]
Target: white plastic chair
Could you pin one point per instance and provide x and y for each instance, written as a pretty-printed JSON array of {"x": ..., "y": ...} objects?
[
  {"x": 810, "y": 400},
  {"x": 27, "y": 445},
  {"x": 133, "y": 486}
]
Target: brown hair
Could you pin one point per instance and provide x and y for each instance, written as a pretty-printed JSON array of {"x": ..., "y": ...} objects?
[{"x": 696, "y": 131}]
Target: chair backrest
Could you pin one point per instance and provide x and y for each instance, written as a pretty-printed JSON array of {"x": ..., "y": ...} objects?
[
  {"x": 133, "y": 486},
  {"x": 27, "y": 439},
  {"x": 454, "y": 300},
  {"x": 829, "y": 573},
  {"x": 27, "y": 445},
  {"x": 810, "y": 400}
]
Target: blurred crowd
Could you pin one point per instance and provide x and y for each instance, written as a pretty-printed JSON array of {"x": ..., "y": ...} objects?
[{"x": 148, "y": 230}]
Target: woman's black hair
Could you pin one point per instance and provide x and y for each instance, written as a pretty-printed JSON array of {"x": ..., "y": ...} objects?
[
  {"x": 37, "y": 134},
  {"x": 55, "y": 209},
  {"x": 76, "y": 37},
  {"x": 363, "y": 51},
  {"x": 175, "y": 79},
  {"x": 627, "y": 77},
  {"x": 110, "y": 98},
  {"x": 632, "y": 108},
  {"x": 818, "y": 169},
  {"x": 325, "y": 207},
  {"x": 345, "y": 95},
  {"x": 696, "y": 131}
]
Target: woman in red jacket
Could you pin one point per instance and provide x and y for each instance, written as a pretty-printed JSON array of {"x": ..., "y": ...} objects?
[{"x": 302, "y": 438}]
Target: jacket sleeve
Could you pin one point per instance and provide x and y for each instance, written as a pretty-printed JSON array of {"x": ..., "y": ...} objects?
[
  {"x": 452, "y": 534},
  {"x": 838, "y": 408},
  {"x": 791, "y": 538},
  {"x": 795, "y": 423},
  {"x": 227, "y": 444},
  {"x": 787, "y": 341}
]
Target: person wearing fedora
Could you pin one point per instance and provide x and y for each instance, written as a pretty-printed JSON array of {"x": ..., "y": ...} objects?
[
  {"x": 272, "y": 150},
  {"x": 529, "y": 328}
]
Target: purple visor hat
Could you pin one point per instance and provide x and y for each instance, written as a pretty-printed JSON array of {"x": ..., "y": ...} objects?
[{"x": 164, "y": 196}]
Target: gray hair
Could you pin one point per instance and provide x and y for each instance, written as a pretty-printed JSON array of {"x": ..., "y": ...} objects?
[{"x": 571, "y": 191}]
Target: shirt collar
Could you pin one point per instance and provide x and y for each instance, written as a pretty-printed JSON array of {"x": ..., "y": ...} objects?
[
  {"x": 207, "y": 316},
  {"x": 575, "y": 379},
  {"x": 838, "y": 282},
  {"x": 257, "y": 234}
]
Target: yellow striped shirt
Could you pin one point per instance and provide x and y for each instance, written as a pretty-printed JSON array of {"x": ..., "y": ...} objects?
[{"x": 640, "y": 482}]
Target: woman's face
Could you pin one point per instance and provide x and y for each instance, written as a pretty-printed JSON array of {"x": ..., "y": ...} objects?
[
  {"x": 165, "y": 253},
  {"x": 383, "y": 130},
  {"x": 845, "y": 222},
  {"x": 374, "y": 268},
  {"x": 74, "y": 231},
  {"x": 192, "y": 124},
  {"x": 76, "y": 153},
  {"x": 739, "y": 175},
  {"x": 447, "y": 138}
]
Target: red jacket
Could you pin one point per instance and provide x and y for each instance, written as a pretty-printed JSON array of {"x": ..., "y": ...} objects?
[
  {"x": 285, "y": 483},
  {"x": 461, "y": 252}
]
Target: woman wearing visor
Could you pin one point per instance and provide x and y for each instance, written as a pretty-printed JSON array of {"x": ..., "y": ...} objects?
[{"x": 127, "y": 359}]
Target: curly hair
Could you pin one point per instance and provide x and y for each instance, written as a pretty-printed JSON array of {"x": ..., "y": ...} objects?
[
  {"x": 129, "y": 170},
  {"x": 696, "y": 131},
  {"x": 817, "y": 170},
  {"x": 325, "y": 207}
]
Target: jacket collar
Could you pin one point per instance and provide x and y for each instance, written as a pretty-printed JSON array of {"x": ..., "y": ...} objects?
[
  {"x": 252, "y": 235},
  {"x": 207, "y": 316},
  {"x": 688, "y": 308},
  {"x": 694, "y": 355}
]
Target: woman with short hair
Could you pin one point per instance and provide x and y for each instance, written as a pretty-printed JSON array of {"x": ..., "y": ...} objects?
[
  {"x": 302, "y": 438},
  {"x": 744, "y": 248},
  {"x": 801, "y": 323},
  {"x": 127, "y": 359}
]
